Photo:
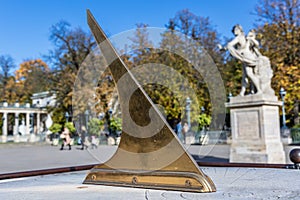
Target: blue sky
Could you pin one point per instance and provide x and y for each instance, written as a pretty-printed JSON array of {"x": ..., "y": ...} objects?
[{"x": 25, "y": 24}]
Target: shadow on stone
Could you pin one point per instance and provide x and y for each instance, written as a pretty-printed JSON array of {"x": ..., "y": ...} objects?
[{"x": 210, "y": 159}]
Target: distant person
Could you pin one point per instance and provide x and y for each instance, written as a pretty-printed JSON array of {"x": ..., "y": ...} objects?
[
  {"x": 185, "y": 128},
  {"x": 84, "y": 139},
  {"x": 94, "y": 142},
  {"x": 65, "y": 135},
  {"x": 178, "y": 128}
]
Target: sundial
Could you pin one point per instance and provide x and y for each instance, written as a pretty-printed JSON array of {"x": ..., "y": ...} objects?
[{"x": 149, "y": 154}]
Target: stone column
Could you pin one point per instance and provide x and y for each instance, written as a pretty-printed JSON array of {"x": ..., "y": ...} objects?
[
  {"x": 16, "y": 128},
  {"x": 255, "y": 130},
  {"x": 32, "y": 134},
  {"x": 4, "y": 127},
  {"x": 38, "y": 121},
  {"x": 27, "y": 124}
]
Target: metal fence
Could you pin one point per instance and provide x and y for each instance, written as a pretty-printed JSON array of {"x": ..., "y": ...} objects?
[{"x": 295, "y": 135}]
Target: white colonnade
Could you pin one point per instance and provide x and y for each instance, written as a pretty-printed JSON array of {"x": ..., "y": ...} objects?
[{"x": 31, "y": 122}]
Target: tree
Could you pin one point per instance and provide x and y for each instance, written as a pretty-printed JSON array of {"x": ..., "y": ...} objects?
[
  {"x": 29, "y": 74},
  {"x": 232, "y": 75},
  {"x": 70, "y": 126},
  {"x": 200, "y": 30},
  {"x": 279, "y": 33},
  {"x": 204, "y": 120},
  {"x": 13, "y": 91},
  {"x": 141, "y": 45},
  {"x": 95, "y": 126},
  {"x": 115, "y": 126},
  {"x": 55, "y": 128},
  {"x": 71, "y": 48},
  {"x": 142, "y": 52},
  {"x": 6, "y": 64}
]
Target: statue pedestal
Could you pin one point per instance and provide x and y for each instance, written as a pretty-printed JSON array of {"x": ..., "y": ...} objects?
[{"x": 255, "y": 129}]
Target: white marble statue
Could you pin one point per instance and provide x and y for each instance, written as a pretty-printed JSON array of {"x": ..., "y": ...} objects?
[
  {"x": 22, "y": 128},
  {"x": 256, "y": 67},
  {"x": 49, "y": 123}
]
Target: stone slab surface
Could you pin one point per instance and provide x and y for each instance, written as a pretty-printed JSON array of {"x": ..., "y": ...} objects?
[{"x": 232, "y": 183}]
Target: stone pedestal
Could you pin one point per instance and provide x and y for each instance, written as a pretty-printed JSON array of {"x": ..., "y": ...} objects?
[
  {"x": 255, "y": 130},
  {"x": 17, "y": 138},
  {"x": 32, "y": 137},
  {"x": 4, "y": 138}
]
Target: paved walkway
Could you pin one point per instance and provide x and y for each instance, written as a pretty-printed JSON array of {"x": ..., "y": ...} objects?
[
  {"x": 231, "y": 183},
  {"x": 25, "y": 157}
]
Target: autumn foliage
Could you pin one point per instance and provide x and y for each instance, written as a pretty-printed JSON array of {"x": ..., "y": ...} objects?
[{"x": 278, "y": 30}]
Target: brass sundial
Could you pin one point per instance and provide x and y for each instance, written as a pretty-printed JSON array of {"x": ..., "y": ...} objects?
[{"x": 144, "y": 160}]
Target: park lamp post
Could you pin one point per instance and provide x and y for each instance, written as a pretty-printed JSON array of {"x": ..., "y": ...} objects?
[
  {"x": 101, "y": 116},
  {"x": 282, "y": 93},
  {"x": 110, "y": 111},
  {"x": 188, "y": 102},
  {"x": 229, "y": 96},
  {"x": 203, "y": 112},
  {"x": 86, "y": 113},
  {"x": 67, "y": 116}
]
